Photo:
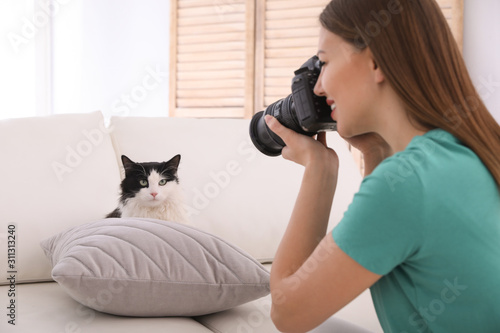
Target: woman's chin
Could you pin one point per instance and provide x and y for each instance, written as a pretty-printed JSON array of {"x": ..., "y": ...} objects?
[{"x": 344, "y": 132}]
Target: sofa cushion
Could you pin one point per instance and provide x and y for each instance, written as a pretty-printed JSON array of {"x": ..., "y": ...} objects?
[
  {"x": 146, "y": 267},
  {"x": 46, "y": 308},
  {"x": 57, "y": 172},
  {"x": 255, "y": 317},
  {"x": 231, "y": 189}
]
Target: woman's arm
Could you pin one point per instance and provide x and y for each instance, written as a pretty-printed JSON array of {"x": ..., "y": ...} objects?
[
  {"x": 311, "y": 212},
  {"x": 326, "y": 282},
  {"x": 308, "y": 222},
  {"x": 311, "y": 277}
]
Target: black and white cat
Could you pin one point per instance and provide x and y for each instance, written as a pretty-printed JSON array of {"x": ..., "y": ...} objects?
[{"x": 151, "y": 190}]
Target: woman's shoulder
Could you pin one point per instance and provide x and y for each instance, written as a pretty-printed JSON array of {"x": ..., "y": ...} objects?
[{"x": 430, "y": 162}]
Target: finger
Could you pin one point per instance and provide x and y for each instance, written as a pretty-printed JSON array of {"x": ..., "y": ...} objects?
[{"x": 280, "y": 130}]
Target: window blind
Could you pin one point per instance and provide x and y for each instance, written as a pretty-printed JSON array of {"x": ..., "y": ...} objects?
[
  {"x": 212, "y": 59},
  {"x": 287, "y": 35},
  {"x": 232, "y": 58}
]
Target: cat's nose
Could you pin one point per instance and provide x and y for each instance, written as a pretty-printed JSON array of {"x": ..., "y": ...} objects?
[{"x": 154, "y": 194}]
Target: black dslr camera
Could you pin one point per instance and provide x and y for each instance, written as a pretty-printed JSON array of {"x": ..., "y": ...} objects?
[{"x": 302, "y": 111}]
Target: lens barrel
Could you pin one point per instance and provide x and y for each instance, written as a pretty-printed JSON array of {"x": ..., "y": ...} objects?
[
  {"x": 302, "y": 111},
  {"x": 263, "y": 138},
  {"x": 266, "y": 141}
]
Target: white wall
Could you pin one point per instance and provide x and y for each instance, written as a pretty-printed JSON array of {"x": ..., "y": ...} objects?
[
  {"x": 112, "y": 56},
  {"x": 17, "y": 60},
  {"x": 482, "y": 49}
]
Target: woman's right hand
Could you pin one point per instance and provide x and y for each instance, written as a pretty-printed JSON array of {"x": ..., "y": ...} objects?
[{"x": 303, "y": 149}]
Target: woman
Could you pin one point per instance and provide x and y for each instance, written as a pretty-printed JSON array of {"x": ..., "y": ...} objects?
[{"x": 423, "y": 232}]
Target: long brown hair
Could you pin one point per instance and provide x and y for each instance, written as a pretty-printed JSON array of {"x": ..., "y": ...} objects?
[{"x": 413, "y": 45}]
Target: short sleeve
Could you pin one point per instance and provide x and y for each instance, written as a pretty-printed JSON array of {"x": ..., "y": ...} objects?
[{"x": 381, "y": 227}]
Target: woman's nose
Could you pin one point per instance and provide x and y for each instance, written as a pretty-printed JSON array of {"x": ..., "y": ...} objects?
[{"x": 318, "y": 89}]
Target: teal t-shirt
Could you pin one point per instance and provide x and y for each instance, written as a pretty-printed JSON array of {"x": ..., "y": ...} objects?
[{"x": 428, "y": 220}]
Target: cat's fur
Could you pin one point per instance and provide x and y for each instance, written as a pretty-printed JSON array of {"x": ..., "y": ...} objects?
[{"x": 151, "y": 190}]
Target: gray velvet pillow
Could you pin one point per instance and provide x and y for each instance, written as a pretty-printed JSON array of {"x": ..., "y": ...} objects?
[{"x": 145, "y": 267}]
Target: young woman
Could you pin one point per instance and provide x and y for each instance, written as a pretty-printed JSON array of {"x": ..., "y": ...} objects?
[{"x": 423, "y": 232}]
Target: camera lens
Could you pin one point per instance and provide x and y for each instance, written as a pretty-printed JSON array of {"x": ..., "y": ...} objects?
[
  {"x": 302, "y": 111},
  {"x": 266, "y": 141},
  {"x": 263, "y": 138}
]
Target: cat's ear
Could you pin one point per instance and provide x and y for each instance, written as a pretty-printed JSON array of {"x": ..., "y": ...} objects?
[
  {"x": 127, "y": 162},
  {"x": 173, "y": 162}
]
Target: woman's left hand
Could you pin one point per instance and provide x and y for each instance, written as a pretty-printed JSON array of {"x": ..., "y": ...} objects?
[{"x": 302, "y": 149}]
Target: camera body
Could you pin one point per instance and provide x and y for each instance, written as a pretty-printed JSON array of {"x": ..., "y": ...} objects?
[
  {"x": 302, "y": 111},
  {"x": 313, "y": 113}
]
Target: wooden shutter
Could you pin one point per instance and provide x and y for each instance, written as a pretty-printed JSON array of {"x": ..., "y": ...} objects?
[
  {"x": 232, "y": 58},
  {"x": 212, "y": 58},
  {"x": 454, "y": 12},
  {"x": 286, "y": 36}
]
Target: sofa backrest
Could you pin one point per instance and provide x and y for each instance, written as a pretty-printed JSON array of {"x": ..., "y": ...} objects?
[
  {"x": 62, "y": 171},
  {"x": 57, "y": 172},
  {"x": 231, "y": 189}
]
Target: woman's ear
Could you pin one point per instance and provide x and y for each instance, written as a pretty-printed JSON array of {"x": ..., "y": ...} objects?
[{"x": 378, "y": 75}]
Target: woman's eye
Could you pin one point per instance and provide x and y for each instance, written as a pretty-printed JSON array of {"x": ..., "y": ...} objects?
[
  {"x": 162, "y": 182},
  {"x": 143, "y": 182}
]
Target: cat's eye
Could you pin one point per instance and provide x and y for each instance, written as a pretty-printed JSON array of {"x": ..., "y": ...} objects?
[
  {"x": 143, "y": 182},
  {"x": 162, "y": 182}
]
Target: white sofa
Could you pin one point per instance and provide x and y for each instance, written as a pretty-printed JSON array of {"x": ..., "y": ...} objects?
[{"x": 62, "y": 171}]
